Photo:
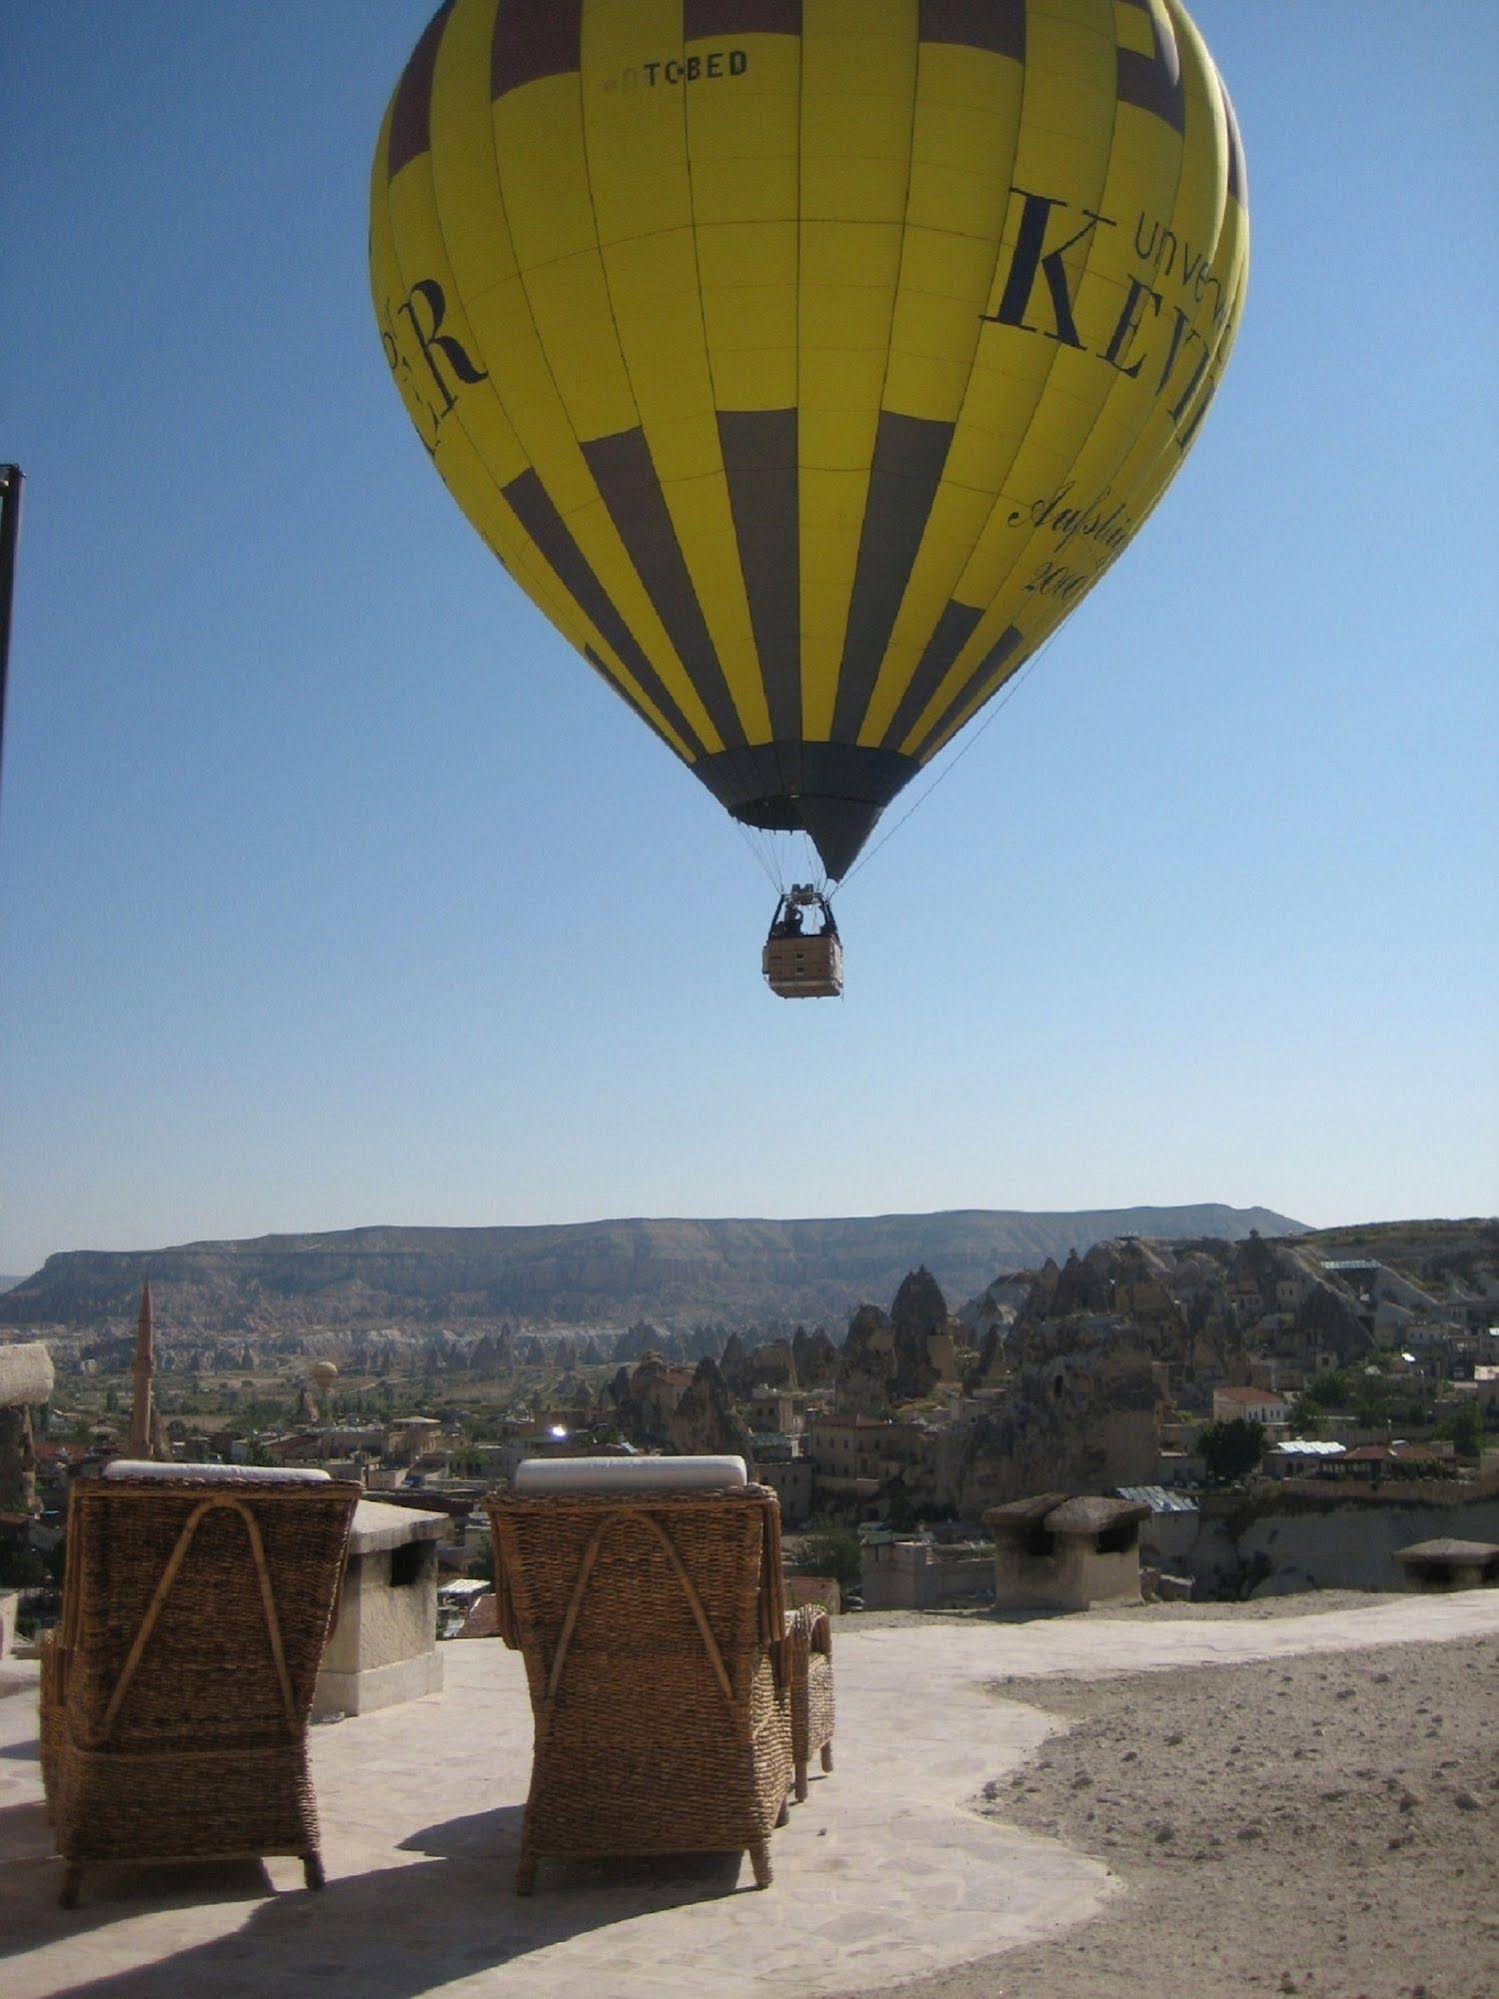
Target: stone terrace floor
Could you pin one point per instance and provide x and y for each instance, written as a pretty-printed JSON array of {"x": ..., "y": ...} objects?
[{"x": 883, "y": 1875}]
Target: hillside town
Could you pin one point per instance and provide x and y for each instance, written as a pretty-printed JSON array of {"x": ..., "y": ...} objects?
[{"x": 1278, "y": 1417}]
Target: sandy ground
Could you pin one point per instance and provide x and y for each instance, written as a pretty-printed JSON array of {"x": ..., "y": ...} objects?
[
  {"x": 1307, "y": 1603},
  {"x": 1325, "y": 1825}
]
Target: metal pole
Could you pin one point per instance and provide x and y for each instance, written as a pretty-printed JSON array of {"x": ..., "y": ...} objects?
[{"x": 11, "y": 482}]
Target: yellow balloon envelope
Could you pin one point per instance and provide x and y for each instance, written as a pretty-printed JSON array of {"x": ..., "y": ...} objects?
[{"x": 806, "y": 361}]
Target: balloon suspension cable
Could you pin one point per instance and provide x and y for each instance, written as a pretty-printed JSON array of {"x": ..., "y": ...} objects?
[
  {"x": 947, "y": 769},
  {"x": 757, "y": 846},
  {"x": 814, "y": 872}
]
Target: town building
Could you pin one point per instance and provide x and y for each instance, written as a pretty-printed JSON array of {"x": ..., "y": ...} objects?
[
  {"x": 916, "y": 1572},
  {"x": 1250, "y": 1405}
]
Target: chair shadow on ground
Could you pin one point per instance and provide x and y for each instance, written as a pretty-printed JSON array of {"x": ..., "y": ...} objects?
[
  {"x": 31, "y": 1877},
  {"x": 391, "y": 1933}
]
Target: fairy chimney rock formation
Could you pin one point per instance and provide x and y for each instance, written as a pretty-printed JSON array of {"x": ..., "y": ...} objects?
[
  {"x": 924, "y": 1350},
  {"x": 815, "y": 1357},
  {"x": 25, "y": 1381},
  {"x": 1081, "y": 1411},
  {"x": 866, "y": 1366},
  {"x": 704, "y": 1422}
]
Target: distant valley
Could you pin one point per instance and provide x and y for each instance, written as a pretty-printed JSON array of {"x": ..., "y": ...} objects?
[{"x": 583, "y": 1274}]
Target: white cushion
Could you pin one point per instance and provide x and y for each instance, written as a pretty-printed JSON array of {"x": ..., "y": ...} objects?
[
  {"x": 548, "y": 1475},
  {"x": 213, "y": 1474}
]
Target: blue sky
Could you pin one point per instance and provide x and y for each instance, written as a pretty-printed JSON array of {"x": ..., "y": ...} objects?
[{"x": 336, "y": 890}]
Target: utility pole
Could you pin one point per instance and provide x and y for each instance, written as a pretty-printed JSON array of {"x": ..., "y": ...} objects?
[{"x": 11, "y": 482}]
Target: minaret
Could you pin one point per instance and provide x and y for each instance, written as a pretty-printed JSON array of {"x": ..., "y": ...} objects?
[{"x": 142, "y": 1428}]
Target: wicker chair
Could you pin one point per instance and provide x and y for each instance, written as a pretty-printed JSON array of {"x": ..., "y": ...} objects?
[
  {"x": 653, "y": 1628},
  {"x": 175, "y": 1695},
  {"x": 809, "y": 1630}
]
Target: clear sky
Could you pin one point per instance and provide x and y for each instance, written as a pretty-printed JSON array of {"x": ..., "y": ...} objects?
[{"x": 336, "y": 890}]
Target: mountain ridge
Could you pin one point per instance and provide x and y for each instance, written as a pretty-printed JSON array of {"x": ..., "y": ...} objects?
[{"x": 680, "y": 1270}]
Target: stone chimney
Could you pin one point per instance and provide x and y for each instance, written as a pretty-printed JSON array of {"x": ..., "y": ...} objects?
[{"x": 142, "y": 1425}]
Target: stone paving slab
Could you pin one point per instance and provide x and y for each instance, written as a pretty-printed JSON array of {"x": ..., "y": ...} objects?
[{"x": 883, "y": 1875}]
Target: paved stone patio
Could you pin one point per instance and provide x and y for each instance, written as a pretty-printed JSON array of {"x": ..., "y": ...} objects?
[{"x": 883, "y": 1875}]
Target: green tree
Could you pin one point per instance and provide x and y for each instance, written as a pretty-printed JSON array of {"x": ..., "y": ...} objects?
[
  {"x": 1331, "y": 1390},
  {"x": 831, "y": 1551},
  {"x": 1372, "y": 1408},
  {"x": 1229, "y": 1450},
  {"x": 1306, "y": 1417},
  {"x": 1465, "y": 1428}
]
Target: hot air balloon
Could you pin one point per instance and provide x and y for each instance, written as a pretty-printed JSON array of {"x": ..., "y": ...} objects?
[{"x": 807, "y": 361}]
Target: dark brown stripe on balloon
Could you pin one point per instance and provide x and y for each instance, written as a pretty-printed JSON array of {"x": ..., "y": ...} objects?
[
  {"x": 995, "y": 25},
  {"x": 759, "y": 461},
  {"x": 909, "y": 453},
  {"x": 546, "y": 527},
  {"x": 1238, "y": 179},
  {"x": 988, "y": 669},
  {"x": 954, "y": 629},
  {"x": 1154, "y": 82},
  {"x": 411, "y": 113},
  {"x": 617, "y": 686},
  {"x": 625, "y": 474},
  {"x": 533, "y": 39},
  {"x": 740, "y": 17}
]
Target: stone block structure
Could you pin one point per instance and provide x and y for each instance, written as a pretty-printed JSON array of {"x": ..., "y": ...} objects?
[
  {"x": 1449, "y": 1564},
  {"x": 915, "y": 1573},
  {"x": 383, "y": 1646},
  {"x": 1055, "y": 1552}
]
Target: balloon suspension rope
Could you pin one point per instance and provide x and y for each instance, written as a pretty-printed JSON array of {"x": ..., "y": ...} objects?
[
  {"x": 767, "y": 853},
  {"x": 815, "y": 874},
  {"x": 947, "y": 770},
  {"x": 770, "y": 871}
]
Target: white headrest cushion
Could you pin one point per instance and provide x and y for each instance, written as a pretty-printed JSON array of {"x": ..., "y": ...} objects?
[
  {"x": 546, "y": 1475},
  {"x": 149, "y": 1468}
]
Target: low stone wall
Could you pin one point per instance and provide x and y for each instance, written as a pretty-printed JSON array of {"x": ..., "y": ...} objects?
[
  {"x": 1397, "y": 1490},
  {"x": 914, "y": 1575},
  {"x": 1299, "y": 1542}
]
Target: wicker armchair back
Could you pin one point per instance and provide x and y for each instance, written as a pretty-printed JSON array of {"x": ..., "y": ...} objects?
[
  {"x": 177, "y": 1690},
  {"x": 653, "y": 1633}
]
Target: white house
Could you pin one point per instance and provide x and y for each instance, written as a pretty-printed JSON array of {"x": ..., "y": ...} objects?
[{"x": 1253, "y": 1405}]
